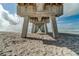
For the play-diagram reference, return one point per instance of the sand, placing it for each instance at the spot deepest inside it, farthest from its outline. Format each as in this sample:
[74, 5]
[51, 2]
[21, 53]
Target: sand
[11, 44]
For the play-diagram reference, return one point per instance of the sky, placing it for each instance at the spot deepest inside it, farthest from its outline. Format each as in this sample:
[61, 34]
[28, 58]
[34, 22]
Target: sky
[11, 7]
[67, 23]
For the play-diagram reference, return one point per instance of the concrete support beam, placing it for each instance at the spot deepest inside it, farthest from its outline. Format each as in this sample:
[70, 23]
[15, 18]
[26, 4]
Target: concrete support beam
[33, 28]
[42, 27]
[46, 30]
[54, 26]
[25, 27]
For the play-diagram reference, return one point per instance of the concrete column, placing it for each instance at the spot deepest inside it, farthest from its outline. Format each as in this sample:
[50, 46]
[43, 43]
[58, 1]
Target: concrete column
[36, 28]
[54, 26]
[25, 27]
[46, 30]
[33, 28]
[42, 28]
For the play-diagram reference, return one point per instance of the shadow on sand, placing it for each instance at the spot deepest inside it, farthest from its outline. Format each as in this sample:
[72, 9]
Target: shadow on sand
[70, 41]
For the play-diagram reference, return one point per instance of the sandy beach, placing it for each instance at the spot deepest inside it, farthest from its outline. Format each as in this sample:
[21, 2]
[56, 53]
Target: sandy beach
[11, 44]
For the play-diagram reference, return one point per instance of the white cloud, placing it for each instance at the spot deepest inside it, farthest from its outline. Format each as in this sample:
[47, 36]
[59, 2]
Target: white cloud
[5, 15]
[71, 9]
[9, 22]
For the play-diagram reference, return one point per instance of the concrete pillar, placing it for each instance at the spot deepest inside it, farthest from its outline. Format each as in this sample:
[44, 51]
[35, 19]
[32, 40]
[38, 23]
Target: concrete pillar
[46, 30]
[36, 28]
[33, 28]
[54, 26]
[39, 26]
[42, 28]
[25, 27]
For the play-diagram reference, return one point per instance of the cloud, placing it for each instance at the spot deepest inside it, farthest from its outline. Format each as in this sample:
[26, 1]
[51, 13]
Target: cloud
[71, 9]
[10, 22]
[5, 15]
